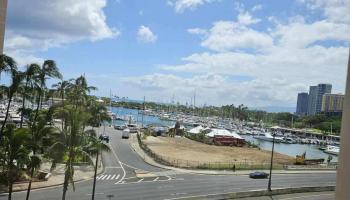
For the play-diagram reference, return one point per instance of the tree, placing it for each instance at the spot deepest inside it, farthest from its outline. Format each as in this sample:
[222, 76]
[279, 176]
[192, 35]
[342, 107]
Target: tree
[7, 64]
[14, 143]
[95, 147]
[48, 70]
[31, 80]
[40, 130]
[16, 78]
[61, 89]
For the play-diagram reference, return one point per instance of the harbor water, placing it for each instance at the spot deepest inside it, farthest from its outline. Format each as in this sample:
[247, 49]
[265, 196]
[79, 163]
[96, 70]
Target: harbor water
[312, 151]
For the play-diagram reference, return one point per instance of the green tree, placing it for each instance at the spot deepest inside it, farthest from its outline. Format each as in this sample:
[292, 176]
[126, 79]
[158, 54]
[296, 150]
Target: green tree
[14, 144]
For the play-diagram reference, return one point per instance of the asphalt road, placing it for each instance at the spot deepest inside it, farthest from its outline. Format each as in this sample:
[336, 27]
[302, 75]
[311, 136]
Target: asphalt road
[119, 180]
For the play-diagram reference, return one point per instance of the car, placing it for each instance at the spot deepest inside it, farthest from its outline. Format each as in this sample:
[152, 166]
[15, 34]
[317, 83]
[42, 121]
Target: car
[119, 127]
[126, 134]
[104, 138]
[258, 175]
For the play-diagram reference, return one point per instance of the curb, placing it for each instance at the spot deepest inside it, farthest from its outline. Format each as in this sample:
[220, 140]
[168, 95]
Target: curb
[259, 193]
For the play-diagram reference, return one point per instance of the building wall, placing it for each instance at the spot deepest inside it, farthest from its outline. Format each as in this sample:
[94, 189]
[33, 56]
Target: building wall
[332, 103]
[312, 100]
[322, 89]
[302, 104]
[3, 6]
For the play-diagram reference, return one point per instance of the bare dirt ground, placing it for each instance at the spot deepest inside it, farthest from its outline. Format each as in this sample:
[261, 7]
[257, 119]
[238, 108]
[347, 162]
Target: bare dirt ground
[186, 149]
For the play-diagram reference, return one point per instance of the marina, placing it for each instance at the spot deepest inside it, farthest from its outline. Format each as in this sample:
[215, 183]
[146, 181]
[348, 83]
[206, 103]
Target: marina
[285, 141]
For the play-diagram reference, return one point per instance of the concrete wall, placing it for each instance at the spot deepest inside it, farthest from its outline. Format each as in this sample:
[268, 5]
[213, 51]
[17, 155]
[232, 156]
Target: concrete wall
[3, 7]
[343, 174]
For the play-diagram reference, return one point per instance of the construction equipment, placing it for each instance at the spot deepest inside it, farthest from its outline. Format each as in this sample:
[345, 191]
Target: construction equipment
[301, 160]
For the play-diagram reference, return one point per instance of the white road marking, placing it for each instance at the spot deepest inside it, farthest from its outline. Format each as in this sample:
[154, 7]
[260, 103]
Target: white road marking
[107, 178]
[140, 180]
[113, 177]
[120, 163]
[116, 178]
[99, 177]
[103, 177]
[156, 179]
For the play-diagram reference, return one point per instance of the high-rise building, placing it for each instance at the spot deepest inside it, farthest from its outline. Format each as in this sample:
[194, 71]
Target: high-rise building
[332, 104]
[312, 100]
[302, 104]
[321, 90]
[3, 7]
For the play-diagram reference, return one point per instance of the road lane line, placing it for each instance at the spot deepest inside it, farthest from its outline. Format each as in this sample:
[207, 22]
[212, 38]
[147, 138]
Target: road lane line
[107, 178]
[120, 163]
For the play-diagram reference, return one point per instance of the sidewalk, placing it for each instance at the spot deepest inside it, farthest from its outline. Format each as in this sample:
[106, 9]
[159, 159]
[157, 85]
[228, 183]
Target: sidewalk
[135, 146]
[80, 173]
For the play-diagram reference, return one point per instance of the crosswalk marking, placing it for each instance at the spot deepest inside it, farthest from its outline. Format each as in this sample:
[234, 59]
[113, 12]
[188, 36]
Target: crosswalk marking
[103, 178]
[106, 177]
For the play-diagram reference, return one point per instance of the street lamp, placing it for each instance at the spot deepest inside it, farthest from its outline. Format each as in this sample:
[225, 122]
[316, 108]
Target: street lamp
[273, 146]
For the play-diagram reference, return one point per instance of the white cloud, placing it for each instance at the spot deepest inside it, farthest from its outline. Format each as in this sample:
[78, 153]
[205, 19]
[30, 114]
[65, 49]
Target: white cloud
[145, 34]
[334, 10]
[278, 64]
[246, 19]
[182, 5]
[228, 35]
[197, 31]
[54, 23]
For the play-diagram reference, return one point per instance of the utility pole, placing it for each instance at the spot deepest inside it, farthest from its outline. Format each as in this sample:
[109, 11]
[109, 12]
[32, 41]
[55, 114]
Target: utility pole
[273, 147]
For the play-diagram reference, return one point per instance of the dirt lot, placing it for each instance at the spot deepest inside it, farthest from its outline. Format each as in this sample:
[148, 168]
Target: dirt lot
[196, 152]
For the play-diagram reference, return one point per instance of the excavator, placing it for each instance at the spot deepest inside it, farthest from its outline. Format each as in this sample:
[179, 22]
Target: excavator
[301, 160]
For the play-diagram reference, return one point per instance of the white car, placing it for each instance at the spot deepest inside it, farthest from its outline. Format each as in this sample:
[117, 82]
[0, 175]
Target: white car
[126, 133]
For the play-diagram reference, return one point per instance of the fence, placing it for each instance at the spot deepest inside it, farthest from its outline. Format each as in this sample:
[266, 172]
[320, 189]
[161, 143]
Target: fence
[180, 163]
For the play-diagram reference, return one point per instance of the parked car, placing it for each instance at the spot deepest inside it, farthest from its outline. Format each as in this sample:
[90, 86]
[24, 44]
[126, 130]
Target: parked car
[258, 175]
[104, 138]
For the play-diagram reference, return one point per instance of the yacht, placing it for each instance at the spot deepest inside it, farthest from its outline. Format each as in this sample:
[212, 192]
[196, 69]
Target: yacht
[334, 150]
[267, 137]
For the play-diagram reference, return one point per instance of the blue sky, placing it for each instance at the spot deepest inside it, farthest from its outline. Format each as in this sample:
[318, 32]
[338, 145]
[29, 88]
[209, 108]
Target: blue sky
[255, 52]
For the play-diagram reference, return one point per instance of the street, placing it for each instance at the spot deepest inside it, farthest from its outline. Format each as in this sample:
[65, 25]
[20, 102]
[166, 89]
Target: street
[119, 180]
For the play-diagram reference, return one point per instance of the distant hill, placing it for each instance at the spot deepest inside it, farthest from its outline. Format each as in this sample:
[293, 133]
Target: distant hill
[274, 109]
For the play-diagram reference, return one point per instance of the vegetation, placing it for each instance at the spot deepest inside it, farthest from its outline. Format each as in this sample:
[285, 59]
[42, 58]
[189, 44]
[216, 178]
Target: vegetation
[23, 148]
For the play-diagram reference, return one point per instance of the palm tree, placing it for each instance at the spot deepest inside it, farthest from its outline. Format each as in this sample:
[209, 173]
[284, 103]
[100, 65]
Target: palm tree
[40, 130]
[7, 64]
[61, 88]
[31, 73]
[95, 147]
[16, 77]
[70, 143]
[48, 69]
[17, 154]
